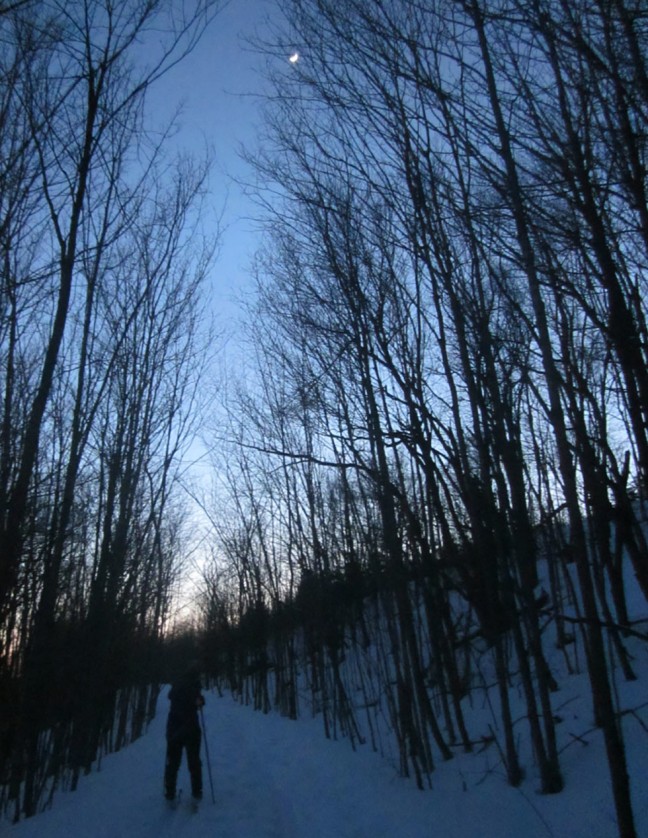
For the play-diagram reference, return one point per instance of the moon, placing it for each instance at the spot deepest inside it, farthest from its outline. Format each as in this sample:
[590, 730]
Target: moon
[294, 58]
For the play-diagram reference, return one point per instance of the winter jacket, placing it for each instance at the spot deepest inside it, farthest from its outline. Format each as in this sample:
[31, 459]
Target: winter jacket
[185, 698]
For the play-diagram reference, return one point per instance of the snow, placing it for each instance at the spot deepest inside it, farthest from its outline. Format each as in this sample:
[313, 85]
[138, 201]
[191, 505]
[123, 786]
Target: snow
[276, 778]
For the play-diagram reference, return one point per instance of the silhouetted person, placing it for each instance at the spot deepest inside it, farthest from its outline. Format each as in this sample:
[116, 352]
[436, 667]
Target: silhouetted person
[183, 731]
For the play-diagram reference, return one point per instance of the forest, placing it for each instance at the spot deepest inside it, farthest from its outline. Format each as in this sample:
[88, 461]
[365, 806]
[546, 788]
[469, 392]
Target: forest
[435, 460]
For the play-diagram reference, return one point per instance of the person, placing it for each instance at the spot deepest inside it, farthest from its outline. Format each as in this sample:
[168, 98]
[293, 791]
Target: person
[183, 732]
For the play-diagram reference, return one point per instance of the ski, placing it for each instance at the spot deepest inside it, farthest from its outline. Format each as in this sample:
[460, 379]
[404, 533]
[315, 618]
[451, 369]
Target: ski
[174, 802]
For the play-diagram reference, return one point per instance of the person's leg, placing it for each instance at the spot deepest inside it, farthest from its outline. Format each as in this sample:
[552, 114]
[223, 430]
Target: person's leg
[173, 757]
[195, 765]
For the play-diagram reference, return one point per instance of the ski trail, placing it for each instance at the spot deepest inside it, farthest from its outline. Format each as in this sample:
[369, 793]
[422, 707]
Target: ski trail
[275, 778]
[254, 782]
[249, 801]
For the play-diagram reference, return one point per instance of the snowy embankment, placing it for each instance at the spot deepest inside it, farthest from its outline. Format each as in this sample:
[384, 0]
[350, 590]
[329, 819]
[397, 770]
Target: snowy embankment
[274, 777]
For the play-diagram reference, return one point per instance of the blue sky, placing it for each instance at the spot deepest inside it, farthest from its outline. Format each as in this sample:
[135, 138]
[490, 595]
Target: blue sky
[219, 85]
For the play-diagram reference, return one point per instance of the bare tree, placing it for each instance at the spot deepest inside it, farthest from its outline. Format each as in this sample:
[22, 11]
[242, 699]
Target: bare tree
[100, 316]
[453, 308]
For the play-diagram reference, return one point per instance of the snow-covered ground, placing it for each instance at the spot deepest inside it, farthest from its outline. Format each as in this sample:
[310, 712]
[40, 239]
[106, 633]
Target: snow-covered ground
[275, 778]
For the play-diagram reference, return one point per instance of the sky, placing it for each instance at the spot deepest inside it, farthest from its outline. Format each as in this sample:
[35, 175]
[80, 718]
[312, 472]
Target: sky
[220, 85]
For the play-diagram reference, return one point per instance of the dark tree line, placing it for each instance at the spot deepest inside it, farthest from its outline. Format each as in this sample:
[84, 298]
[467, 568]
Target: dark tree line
[100, 277]
[451, 375]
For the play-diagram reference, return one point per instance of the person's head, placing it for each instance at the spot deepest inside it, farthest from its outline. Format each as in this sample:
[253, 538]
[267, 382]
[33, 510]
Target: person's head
[193, 669]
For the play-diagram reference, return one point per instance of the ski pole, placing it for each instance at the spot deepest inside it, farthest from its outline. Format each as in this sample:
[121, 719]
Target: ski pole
[209, 771]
